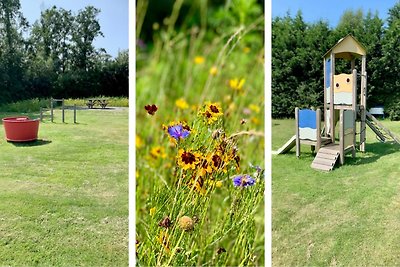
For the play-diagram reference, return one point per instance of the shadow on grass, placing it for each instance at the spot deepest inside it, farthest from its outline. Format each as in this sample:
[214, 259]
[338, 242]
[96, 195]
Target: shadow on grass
[39, 142]
[374, 152]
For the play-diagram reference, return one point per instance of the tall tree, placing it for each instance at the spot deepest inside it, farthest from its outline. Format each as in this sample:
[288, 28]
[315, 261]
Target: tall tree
[391, 62]
[52, 36]
[86, 29]
[11, 50]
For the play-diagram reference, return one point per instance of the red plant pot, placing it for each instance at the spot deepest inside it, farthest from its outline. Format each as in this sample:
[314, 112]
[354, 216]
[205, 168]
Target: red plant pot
[21, 129]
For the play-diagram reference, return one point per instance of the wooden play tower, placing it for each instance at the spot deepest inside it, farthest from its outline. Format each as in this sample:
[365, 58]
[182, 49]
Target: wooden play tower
[345, 102]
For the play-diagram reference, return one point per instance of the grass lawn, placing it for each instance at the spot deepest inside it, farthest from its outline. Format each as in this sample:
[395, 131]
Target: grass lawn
[349, 216]
[64, 198]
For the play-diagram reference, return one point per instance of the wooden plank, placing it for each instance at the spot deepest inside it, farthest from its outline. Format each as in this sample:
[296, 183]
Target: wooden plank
[296, 115]
[341, 137]
[323, 161]
[331, 149]
[327, 156]
[321, 167]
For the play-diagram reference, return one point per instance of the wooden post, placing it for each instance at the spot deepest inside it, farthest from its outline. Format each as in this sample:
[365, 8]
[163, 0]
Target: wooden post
[296, 115]
[332, 99]
[74, 113]
[51, 108]
[62, 108]
[325, 106]
[363, 103]
[318, 121]
[341, 136]
[354, 109]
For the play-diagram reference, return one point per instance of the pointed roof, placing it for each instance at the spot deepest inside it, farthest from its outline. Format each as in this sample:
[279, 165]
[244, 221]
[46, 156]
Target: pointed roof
[347, 48]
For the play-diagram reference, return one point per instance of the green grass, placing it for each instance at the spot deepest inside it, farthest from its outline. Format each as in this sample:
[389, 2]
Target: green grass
[228, 217]
[64, 198]
[349, 216]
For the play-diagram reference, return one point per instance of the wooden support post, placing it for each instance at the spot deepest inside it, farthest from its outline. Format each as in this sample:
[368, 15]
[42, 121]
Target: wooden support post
[296, 112]
[363, 104]
[332, 100]
[41, 114]
[63, 111]
[74, 113]
[354, 109]
[51, 109]
[325, 106]
[318, 121]
[341, 136]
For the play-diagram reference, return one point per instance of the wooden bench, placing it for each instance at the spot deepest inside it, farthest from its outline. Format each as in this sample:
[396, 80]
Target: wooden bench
[101, 102]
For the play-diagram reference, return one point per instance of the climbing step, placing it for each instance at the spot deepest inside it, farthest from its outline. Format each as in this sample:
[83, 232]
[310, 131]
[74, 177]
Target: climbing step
[376, 130]
[326, 158]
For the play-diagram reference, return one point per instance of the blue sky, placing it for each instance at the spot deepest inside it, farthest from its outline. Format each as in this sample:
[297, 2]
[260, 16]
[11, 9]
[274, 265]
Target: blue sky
[329, 11]
[113, 19]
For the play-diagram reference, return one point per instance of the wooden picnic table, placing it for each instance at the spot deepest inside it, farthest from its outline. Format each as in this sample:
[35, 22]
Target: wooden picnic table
[93, 101]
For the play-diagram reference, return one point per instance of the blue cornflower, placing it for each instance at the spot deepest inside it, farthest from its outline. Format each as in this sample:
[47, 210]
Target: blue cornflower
[243, 180]
[177, 131]
[256, 167]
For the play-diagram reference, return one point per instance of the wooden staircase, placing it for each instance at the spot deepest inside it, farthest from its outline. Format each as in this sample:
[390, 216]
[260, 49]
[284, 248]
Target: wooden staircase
[326, 158]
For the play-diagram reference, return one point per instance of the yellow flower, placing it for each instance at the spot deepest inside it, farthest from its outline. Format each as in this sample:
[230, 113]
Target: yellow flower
[199, 60]
[255, 120]
[158, 152]
[163, 238]
[213, 71]
[137, 174]
[152, 211]
[188, 159]
[139, 142]
[197, 184]
[212, 112]
[236, 84]
[246, 50]
[218, 184]
[181, 103]
[254, 108]
[206, 165]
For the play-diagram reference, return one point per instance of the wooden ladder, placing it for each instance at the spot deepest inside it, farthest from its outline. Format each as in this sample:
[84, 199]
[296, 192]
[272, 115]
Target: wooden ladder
[381, 131]
[325, 159]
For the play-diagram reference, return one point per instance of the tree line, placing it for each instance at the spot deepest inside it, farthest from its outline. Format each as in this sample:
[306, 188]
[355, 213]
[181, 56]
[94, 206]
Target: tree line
[298, 48]
[55, 56]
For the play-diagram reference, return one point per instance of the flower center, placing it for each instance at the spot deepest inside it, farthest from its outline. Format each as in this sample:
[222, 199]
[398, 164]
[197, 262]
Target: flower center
[214, 109]
[188, 157]
[217, 160]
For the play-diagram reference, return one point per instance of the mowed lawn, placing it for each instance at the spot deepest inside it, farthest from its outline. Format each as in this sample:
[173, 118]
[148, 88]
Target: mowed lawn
[350, 216]
[64, 198]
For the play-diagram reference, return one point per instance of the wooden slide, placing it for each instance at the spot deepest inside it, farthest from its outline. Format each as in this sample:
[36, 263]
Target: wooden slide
[286, 147]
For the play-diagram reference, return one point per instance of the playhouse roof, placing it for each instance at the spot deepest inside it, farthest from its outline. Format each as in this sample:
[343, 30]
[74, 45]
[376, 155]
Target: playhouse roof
[347, 48]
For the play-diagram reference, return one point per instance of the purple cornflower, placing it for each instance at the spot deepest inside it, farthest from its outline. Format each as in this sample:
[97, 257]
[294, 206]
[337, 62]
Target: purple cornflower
[177, 131]
[243, 180]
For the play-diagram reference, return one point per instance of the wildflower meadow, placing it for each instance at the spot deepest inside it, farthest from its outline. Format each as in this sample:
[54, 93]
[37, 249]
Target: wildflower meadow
[200, 135]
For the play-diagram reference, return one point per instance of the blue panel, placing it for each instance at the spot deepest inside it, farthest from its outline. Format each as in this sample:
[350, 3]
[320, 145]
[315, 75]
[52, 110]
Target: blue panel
[328, 73]
[307, 118]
